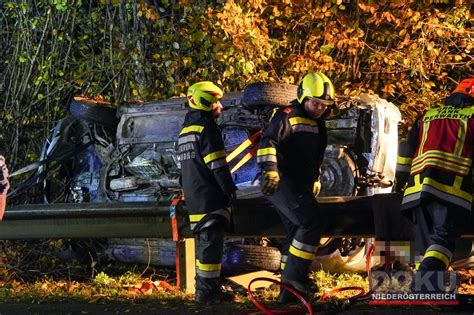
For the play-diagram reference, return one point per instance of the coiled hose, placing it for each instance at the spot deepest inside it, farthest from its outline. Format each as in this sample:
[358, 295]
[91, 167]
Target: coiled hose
[359, 296]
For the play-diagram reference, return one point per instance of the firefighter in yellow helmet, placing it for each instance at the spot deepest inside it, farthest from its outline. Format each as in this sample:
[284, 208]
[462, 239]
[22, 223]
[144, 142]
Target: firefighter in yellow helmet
[207, 185]
[435, 165]
[290, 155]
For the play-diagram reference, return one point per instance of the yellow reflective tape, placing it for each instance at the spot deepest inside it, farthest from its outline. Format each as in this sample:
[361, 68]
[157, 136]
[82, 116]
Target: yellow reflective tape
[301, 253]
[239, 150]
[441, 187]
[282, 266]
[192, 128]
[404, 160]
[449, 166]
[208, 267]
[301, 120]
[214, 156]
[461, 137]
[448, 189]
[443, 155]
[437, 255]
[458, 182]
[266, 151]
[423, 137]
[196, 217]
[448, 112]
[468, 110]
[416, 186]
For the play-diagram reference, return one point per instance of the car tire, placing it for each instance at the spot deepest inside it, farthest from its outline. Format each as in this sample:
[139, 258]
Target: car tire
[261, 94]
[93, 112]
[239, 258]
[339, 174]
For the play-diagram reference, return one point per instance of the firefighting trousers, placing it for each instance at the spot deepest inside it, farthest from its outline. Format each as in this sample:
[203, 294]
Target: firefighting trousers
[302, 219]
[209, 250]
[436, 231]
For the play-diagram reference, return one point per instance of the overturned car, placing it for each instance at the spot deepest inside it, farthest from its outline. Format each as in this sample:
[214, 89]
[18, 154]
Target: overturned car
[129, 155]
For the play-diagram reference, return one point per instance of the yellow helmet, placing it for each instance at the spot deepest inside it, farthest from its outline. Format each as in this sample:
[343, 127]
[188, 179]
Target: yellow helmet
[203, 94]
[317, 85]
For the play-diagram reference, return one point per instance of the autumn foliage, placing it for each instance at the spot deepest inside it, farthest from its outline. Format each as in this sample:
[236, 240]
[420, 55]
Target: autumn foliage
[410, 52]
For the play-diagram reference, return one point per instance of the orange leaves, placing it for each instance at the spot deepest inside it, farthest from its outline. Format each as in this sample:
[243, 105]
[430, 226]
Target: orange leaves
[147, 287]
[368, 7]
[147, 11]
[389, 89]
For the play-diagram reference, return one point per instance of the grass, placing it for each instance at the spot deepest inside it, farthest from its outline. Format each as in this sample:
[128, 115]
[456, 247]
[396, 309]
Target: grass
[29, 273]
[132, 287]
[327, 281]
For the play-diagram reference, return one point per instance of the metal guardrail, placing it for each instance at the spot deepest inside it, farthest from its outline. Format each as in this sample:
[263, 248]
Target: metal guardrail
[346, 216]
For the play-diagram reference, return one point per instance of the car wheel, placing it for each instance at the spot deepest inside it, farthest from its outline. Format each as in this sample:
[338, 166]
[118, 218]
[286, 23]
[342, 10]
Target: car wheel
[239, 258]
[97, 113]
[268, 94]
[339, 173]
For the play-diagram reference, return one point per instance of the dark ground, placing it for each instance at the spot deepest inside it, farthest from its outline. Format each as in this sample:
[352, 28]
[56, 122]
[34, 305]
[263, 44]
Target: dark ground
[123, 309]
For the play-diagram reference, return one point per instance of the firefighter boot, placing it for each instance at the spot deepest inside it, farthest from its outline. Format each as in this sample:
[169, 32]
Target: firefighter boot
[306, 289]
[214, 296]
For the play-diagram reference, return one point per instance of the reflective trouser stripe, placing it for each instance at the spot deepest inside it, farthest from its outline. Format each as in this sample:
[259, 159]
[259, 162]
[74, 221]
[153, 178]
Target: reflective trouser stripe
[440, 249]
[208, 270]
[266, 151]
[283, 261]
[195, 218]
[301, 253]
[305, 247]
[437, 255]
[267, 158]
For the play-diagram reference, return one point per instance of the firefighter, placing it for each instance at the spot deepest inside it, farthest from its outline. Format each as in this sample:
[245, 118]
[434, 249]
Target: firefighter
[4, 185]
[207, 185]
[290, 155]
[434, 171]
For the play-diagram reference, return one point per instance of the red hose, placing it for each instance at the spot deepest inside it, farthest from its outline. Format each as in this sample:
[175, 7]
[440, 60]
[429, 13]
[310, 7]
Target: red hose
[336, 290]
[360, 295]
[3, 203]
[293, 291]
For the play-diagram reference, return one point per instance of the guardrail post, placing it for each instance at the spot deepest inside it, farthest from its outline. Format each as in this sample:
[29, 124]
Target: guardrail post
[187, 265]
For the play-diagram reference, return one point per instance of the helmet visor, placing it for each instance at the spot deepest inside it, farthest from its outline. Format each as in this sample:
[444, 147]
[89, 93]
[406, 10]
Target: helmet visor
[316, 100]
[316, 107]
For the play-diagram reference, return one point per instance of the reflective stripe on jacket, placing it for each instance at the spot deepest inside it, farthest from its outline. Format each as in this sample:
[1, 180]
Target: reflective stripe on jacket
[436, 158]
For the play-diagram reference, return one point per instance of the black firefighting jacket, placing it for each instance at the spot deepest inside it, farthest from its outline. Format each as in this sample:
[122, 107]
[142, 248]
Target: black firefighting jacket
[436, 159]
[294, 144]
[205, 177]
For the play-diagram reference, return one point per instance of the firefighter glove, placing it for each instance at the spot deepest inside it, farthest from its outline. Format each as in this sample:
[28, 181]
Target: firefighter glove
[269, 182]
[399, 187]
[316, 188]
